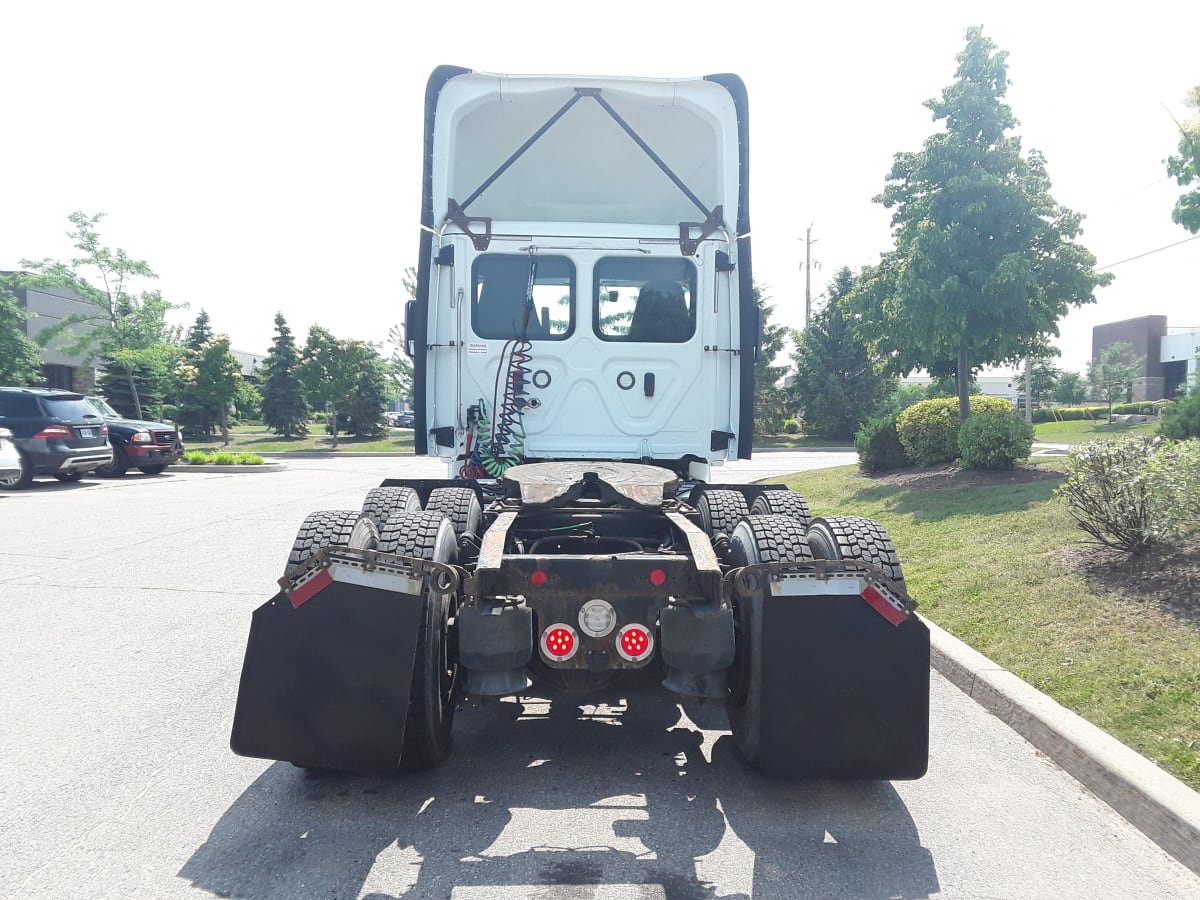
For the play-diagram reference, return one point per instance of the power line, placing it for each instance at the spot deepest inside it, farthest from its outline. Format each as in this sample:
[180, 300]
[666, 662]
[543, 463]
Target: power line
[1147, 253]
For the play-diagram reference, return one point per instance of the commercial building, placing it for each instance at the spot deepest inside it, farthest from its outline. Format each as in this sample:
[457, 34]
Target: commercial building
[1168, 354]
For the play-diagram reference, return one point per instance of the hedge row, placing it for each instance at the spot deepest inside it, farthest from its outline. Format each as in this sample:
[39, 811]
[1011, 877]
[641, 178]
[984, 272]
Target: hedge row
[1094, 413]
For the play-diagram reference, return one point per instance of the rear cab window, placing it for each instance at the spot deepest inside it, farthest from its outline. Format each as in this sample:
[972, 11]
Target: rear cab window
[527, 296]
[644, 300]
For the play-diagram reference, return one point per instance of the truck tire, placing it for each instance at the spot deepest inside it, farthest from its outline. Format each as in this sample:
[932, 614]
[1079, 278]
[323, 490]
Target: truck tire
[460, 506]
[118, 467]
[757, 539]
[381, 502]
[327, 528]
[156, 469]
[428, 535]
[721, 510]
[782, 503]
[855, 537]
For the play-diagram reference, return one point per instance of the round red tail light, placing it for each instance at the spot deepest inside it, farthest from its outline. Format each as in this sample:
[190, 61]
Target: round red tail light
[559, 642]
[635, 642]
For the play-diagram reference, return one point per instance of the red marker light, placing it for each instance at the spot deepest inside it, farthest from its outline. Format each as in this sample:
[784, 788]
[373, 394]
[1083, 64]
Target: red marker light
[634, 642]
[559, 642]
[538, 579]
[658, 578]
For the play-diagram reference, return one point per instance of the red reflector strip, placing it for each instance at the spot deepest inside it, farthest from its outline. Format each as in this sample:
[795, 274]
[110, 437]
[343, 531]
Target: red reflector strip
[884, 605]
[306, 591]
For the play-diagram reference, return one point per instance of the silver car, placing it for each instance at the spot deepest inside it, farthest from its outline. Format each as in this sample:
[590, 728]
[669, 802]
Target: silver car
[10, 462]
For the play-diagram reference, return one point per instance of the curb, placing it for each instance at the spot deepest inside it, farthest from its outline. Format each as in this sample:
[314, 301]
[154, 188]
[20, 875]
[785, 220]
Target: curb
[179, 468]
[1164, 808]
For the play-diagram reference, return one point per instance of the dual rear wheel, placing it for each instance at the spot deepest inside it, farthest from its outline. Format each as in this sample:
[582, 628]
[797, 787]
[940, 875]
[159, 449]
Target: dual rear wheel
[392, 521]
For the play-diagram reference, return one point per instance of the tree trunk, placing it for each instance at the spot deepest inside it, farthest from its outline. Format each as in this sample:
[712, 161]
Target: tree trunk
[1029, 389]
[963, 378]
[137, 402]
[333, 423]
[224, 425]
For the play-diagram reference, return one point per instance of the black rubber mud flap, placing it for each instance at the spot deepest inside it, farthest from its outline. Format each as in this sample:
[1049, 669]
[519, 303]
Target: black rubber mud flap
[326, 684]
[842, 692]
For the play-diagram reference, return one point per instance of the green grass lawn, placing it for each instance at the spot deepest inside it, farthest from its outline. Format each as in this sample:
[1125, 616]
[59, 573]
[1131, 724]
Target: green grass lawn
[985, 564]
[255, 439]
[1083, 430]
[795, 442]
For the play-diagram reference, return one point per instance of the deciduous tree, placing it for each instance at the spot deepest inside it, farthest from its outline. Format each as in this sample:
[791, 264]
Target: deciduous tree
[20, 359]
[985, 261]
[125, 328]
[1112, 373]
[1185, 167]
[211, 377]
[329, 371]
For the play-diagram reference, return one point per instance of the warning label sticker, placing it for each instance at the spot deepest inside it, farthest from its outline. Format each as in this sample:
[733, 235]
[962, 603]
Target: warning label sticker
[477, 349]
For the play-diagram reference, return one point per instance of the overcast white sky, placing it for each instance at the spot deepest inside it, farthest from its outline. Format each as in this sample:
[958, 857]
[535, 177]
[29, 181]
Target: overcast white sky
[266, 156]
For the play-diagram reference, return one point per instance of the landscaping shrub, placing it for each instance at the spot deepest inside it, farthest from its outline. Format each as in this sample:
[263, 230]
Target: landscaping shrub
[791, 426]
[1070, 414]
[879, 446]
[1181, 420]
[222, 458]
[1134, 492]
[1174, 483]
[994, 439]
[928, 430]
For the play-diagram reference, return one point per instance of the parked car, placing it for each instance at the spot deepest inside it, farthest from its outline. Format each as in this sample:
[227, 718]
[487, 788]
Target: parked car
[10, 460]
[56, 432]
[148, 446]
[406, 419]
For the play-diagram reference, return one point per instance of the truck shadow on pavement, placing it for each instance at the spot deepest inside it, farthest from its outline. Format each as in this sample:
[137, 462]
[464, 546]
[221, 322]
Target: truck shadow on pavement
[567, 790]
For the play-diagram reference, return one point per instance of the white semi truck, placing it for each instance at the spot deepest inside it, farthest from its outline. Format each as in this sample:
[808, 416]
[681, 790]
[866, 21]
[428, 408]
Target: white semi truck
[584, 337]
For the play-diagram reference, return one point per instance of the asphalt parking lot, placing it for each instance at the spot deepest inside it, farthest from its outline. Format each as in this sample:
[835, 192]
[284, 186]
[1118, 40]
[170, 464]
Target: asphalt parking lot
[126, 605]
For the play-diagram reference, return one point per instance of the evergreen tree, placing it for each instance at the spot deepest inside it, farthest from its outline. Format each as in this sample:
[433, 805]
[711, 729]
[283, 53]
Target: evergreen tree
[200, 333]
[367, 405]
[772, 404]
[153, 384]
[838, 384]
[284, 409]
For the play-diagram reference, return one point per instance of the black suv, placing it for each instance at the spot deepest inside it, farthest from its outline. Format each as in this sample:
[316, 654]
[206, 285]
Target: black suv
[56, 432]
[149, 446]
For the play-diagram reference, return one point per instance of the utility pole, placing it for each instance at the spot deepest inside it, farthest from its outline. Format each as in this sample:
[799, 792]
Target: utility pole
[808, 266]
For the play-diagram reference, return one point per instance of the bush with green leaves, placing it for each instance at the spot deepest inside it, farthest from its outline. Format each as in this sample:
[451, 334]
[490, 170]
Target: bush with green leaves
[222, 458]
[929, 430]
[1181, 420]
[994, 439]
[879, 447]
[1134, 493]
[791, 426]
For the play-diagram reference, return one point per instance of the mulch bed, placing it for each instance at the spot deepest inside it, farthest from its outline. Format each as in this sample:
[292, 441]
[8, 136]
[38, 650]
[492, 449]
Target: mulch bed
[1167, 576]
[943, 477]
